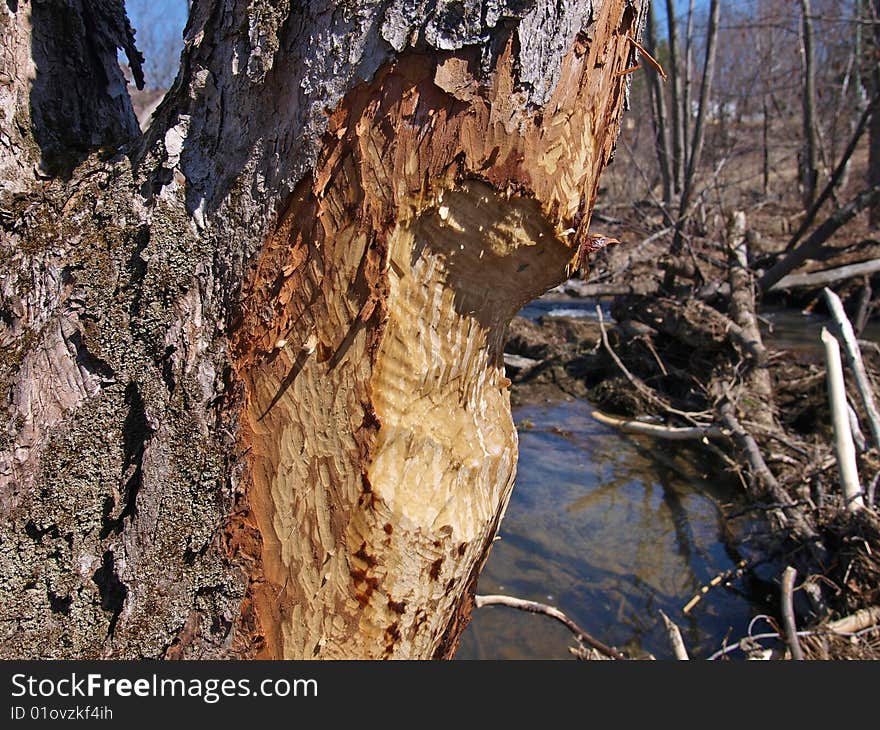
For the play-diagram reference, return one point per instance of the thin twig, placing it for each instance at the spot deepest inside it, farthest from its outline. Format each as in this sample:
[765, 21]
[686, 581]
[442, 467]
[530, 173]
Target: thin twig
[727, 575]
[555, 613]
[648, 57]
[637, 382]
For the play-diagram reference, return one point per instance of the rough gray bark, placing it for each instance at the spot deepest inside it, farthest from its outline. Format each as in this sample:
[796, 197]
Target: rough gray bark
[139, 307]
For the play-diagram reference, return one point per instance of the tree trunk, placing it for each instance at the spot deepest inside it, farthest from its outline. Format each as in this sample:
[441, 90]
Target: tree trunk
[874, 129]
[658, 114]
[676, 92]
[252, 372]
[809, 175]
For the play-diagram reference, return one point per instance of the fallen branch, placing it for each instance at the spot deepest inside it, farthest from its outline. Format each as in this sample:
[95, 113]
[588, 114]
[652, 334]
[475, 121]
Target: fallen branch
[862, 619]
[836, 176]
[855, 362]
[812, 245]
[742, 311]
[858, 436]
[788, 576]
[577, 288]
[742, 294]
[761, 471]
[636, 382]
[844, 449]
[672, 433]
[828, 276]
[727, 575]
[555, 613]
[801, 634]
[674, 634]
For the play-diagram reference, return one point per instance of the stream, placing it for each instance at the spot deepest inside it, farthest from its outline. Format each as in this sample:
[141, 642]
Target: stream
[610, 532]
[612, 528]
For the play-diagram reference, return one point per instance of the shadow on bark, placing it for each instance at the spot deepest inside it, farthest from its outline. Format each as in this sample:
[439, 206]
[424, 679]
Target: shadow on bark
[79, 101]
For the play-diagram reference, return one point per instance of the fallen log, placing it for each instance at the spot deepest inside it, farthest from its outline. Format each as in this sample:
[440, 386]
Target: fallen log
[671, 433]
[742, 310]
[844, 449]
[817, 238]
[827, 276]
[855, 362]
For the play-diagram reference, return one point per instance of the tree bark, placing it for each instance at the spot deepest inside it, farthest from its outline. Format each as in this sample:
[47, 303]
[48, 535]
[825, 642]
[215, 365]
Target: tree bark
[874, 129]
[742, 310]
[809, 175]
[658, 114]
[252, 367]
[678, 140]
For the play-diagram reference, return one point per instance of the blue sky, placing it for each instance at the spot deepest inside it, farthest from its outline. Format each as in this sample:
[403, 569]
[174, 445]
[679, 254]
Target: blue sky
[159, 25]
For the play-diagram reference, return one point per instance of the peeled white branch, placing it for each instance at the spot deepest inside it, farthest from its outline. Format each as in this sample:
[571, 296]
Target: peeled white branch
[674, 634]
[672, 433]
[854, 360]
[861, 619]
[844, 449]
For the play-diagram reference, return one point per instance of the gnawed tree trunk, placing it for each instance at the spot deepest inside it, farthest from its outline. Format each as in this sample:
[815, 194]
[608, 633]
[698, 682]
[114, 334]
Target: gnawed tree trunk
[252, 371]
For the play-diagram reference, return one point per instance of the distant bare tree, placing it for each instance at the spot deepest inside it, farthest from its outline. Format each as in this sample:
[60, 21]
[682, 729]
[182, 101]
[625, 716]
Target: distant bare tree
[159, 37]
[807, 170]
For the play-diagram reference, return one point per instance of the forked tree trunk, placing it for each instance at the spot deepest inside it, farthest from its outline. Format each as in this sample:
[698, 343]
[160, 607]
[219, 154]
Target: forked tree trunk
[255, 404]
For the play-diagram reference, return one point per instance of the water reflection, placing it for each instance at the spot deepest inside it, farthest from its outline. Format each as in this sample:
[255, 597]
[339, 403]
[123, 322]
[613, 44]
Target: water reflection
[609, 528]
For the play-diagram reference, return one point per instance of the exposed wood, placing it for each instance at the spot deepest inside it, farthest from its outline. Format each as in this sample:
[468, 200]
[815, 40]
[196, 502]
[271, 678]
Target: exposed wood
[816, 279]
[788, 621]
[253, 390]
[727, 575]
[675, 640]
[671, 433]
[862, 619]
[854, 360]
[518, 363]
[844, 449]
[555, 613]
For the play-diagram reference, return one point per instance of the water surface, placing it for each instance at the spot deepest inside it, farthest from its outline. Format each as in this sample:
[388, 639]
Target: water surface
[610, 529]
